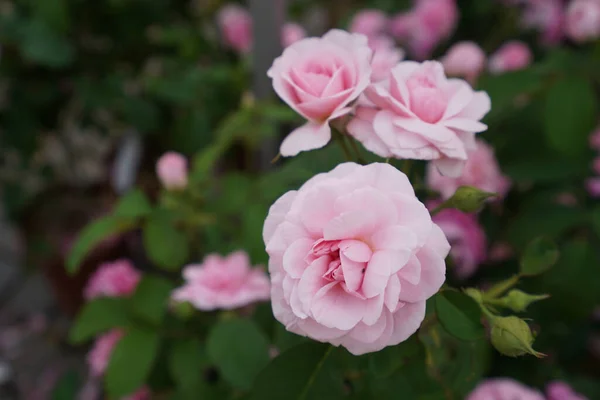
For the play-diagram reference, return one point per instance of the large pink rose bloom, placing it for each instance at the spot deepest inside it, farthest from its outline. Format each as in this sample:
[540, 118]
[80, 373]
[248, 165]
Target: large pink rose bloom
[99, 355]
[511, 56]
[562, 391]
[481, 170]
[235, 24]
[319, 78]
[223, 283]
[464, 59]
[504, 389]
[354, 255]
[467, 240]
[583, 20]
[420, 114]
[113, 279]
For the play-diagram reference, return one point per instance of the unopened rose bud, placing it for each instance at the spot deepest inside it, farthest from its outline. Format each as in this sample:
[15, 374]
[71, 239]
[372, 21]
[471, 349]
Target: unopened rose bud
[518, 300]
[512, 337]
[172, 171]
[467, 199]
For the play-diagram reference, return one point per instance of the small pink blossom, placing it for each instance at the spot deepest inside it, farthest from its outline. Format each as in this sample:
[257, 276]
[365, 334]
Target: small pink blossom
[464, 59]
[583, 20]
[235, 24]
[320, 78]
[512, 56]
[546, 16]
[481, 171]
[420, 114]
[370, 23]
[113, 279]
[291, 33]
[467, 240]
[172, 170]
[223, 283]
[353, 257]
[99, 355]
[596, 165]
[385, 57]
[143, 393]
[503, 389]
[595, 139]
[593, 187]
[562, 391]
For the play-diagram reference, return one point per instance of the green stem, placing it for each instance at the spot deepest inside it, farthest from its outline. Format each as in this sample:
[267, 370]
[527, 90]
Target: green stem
[500, 288]
[357, 151]
[406, 167]
[314, 374]
[340, 138]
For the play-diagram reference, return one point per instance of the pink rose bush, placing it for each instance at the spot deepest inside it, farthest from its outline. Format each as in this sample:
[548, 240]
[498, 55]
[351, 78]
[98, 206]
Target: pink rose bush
[319, 78]
[503, 389]
[464, 59]
[583, 20]
[172, 171]
[223, 283]
[481, 171]
[353, 256]
[99, 355]
[512, 56]
[420, 114]
[114, 279]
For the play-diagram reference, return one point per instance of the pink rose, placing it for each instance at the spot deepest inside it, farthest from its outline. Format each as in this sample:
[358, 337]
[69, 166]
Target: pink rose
[113, 279]
[593, 186]
[223, 283]
[583, 20]
[595, 139]
[291, 33]
[420, 114]
[561, 391]
[464, 59]
[99, 355]
[596, 165]
[369, 23]
[235, 24]
[319, 78]
[546, 16]
[385, 57]
[503, 389]
[467, 240]
[481, 170]
[353, 256]
[172, 170]
[512, 56]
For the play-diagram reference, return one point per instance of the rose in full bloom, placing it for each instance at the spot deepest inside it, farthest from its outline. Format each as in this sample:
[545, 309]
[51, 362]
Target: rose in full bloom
[420, 114]
[235, 24]
[172, 170]
[583, 20]
[291, 33]
[370, 23]
[353, 256]
[99, 355]
[481, 171]
[113, 279]
[512, 56]
[385, 57]
[320, 78]
[223, 283]
[562, 391]
[464, 59]
[547, 17]
[503, 389]
[467, 240]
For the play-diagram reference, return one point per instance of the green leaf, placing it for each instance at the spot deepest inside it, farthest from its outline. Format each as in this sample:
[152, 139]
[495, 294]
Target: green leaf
[298, 373]
[42, 45]
[570, 115]
[539, 256]
[131, 362]
[134, 204]
[165, 245]
[151, 298]
[459, 315]
[67, 387]
[596, 221]
[92, 235]
[98, 316]
[187, 362]
[385, 362]
[239, 350]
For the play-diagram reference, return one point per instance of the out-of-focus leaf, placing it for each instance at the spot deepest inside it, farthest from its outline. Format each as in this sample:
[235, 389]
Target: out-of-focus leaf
[98, 316]
[187, 361]
[150, 299]
[133, 204]
[166, 246]
[42, 45]
[67, 386]
[459, 315]
[539, 256]
[385, 362]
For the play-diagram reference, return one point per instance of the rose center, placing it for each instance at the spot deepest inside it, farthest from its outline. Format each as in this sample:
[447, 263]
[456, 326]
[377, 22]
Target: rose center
[428, 101]
[330, 248]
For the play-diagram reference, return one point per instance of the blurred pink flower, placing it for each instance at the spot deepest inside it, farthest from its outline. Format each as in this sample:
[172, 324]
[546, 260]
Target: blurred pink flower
[319, 78]
[370, 23]
[353, 257]
[595, 139]
[593, 186]
[467, 240]
[481, 171]
[420, 114]
[385, 56]
[503, 389]
[583, 20]
[172, 170]
[223, 283]
[511, 56]
[562, 391]
[546, 16]
[235, 24]
[596, 165]
[113, 279]
[500, 251]
[291, 33]
[143, 393]
[464, 59]
[99, 355]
